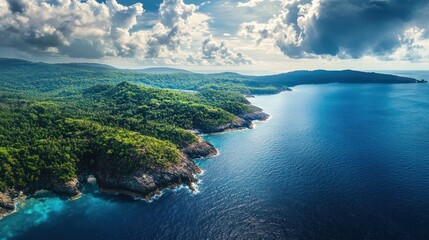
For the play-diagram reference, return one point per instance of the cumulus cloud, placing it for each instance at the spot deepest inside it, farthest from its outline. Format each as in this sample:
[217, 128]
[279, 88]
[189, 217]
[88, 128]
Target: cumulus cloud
[180, 24]
[89, 29]
[178, 36]
[220, 54]
[342, 28]
[250, 3]
[414, 46]
[72, 28]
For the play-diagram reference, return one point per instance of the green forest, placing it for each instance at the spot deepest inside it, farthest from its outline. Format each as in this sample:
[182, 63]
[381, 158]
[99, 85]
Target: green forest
[125, 126]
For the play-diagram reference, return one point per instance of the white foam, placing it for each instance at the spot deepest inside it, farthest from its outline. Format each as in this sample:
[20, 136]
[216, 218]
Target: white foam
[201, 173]
[196, 189]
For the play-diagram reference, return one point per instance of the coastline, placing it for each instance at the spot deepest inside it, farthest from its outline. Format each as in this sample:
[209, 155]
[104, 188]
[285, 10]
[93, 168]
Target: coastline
[197, 150]
[142, 184]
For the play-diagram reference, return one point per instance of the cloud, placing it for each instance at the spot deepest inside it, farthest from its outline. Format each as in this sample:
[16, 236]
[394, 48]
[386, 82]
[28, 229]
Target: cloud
[180, 24]
[342, 28]
[221, 55]
[178, 36]
[90, 29]
[77, 29]
[414, 46]
[250, 3]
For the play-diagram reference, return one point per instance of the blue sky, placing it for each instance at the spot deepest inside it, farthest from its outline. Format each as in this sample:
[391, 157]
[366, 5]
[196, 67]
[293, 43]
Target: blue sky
[215, 35]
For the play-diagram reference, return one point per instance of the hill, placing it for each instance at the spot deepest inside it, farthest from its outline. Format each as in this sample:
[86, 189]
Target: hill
[118, 133]
[161, 70]
[322, 76]
[87, 65]
[19, 76]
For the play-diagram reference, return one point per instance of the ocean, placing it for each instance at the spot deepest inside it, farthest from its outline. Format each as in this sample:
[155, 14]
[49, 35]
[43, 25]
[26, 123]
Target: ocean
[334, 161]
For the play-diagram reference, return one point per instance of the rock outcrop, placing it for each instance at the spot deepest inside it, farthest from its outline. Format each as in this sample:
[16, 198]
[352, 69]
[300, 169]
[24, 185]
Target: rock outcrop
[147, 182]
[240, 122]
[70, 188]
[255, 116]
[200, 149]
[7, 202]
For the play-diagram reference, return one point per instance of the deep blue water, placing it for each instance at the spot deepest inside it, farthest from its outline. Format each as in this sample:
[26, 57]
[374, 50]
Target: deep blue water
[334, 162]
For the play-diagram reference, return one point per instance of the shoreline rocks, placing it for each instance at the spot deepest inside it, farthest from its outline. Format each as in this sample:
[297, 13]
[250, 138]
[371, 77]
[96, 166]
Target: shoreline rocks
[241, 122]
[200, 149]
[148, 182]
[70, 188]
[8, 201]
[255, 116]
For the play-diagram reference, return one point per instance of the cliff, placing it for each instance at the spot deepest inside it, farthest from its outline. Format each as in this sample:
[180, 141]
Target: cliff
[7, 202]
[147, 182]
[240, 122]
[200, 149]
[9, 198]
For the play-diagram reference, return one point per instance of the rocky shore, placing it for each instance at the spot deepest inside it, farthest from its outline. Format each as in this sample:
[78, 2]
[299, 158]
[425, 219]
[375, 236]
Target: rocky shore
[8, 201]
[200, 149]
[241, 122]
[10, 197]
[143, 182]
[255, 116]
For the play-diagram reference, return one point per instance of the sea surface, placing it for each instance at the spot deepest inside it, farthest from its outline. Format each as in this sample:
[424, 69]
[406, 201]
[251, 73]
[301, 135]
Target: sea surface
[335, 161]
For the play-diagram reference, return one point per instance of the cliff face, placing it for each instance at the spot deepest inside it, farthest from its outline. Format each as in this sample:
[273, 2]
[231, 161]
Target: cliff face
[70, 188]
[7, 202]
[238, 123]
[200, 149]
[147, 182]
[255, 116]
[242, 121]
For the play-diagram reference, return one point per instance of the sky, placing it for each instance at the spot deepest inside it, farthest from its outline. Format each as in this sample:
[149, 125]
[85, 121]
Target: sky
[248, 36]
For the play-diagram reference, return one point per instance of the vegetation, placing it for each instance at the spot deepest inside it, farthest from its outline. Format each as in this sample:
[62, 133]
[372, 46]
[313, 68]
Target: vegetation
[123, 127]
[321, 76]
[59, 119]
[21, 77]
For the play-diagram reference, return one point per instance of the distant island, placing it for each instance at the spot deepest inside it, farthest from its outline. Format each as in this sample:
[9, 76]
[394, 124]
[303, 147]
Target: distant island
[24, 76]
[61, 123]
[161, 70]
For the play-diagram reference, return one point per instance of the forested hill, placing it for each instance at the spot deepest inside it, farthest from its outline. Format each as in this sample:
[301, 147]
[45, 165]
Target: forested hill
[161, 70]
[24, 76]
[115, 132]
[321, 76]
[19, 76]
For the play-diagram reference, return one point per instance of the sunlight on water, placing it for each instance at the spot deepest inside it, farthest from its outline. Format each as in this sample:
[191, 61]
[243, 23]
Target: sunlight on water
[31, 212]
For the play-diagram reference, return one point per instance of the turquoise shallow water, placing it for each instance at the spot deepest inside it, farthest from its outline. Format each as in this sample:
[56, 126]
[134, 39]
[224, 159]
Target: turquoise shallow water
[334, 162]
